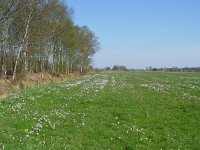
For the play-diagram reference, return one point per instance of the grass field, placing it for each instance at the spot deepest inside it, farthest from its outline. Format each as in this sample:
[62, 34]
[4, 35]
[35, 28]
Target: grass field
[113, 110]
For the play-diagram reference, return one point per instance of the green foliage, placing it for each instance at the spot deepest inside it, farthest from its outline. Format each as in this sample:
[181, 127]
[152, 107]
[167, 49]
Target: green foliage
[40, 35]
[113, 110]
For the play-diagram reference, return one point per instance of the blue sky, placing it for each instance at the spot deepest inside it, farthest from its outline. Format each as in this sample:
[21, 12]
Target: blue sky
[142, 33]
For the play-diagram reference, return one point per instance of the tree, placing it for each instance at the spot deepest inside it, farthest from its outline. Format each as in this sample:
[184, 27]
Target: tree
[117, 68]
[40, 35]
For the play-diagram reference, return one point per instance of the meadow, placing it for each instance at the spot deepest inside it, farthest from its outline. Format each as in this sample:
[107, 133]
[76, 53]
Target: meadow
[110, 110]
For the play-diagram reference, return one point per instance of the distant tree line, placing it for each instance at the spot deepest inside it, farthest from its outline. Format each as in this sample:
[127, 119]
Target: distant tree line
[116, 68]
[173, 69]
[40, 35]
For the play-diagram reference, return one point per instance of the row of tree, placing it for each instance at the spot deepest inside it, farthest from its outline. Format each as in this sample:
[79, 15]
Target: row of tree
[172, 69]
[40, 35]
[175, 69]
[116, 68]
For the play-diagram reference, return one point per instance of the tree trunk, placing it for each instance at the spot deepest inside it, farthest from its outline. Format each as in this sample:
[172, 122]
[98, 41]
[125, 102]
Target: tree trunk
[67, 67]
[82, 65]
[22, 44]
[25, 56]
[71, 67]
[1, 63]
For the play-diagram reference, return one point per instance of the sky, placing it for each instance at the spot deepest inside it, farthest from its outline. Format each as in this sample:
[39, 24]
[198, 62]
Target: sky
[142, 33]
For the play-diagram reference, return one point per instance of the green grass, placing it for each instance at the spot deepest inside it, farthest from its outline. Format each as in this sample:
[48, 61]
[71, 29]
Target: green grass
[113, 110]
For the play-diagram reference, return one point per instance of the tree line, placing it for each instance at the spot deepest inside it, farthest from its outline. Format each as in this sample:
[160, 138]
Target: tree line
[40, 35]
[175, 69]
[165, 69]
[116, 68]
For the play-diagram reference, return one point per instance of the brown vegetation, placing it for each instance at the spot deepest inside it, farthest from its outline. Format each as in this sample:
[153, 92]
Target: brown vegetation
[33, 80]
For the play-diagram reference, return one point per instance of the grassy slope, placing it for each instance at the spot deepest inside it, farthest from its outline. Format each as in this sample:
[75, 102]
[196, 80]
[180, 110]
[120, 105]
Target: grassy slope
[120, 110]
